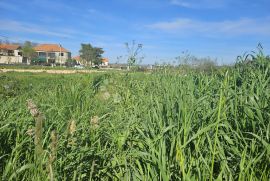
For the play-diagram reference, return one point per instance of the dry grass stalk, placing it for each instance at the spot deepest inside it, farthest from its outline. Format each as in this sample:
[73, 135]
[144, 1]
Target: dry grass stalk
[38, 126]
[71, 132]
[53, 147]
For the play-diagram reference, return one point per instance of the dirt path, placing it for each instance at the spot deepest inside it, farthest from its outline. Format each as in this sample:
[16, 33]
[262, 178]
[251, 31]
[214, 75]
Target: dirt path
[49, 71]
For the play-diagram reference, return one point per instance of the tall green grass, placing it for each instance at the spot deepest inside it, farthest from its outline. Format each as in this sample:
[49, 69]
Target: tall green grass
[135, 126]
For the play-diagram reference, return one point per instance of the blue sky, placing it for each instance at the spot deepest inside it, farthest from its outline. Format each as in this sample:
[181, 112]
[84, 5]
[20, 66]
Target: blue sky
[220, 29]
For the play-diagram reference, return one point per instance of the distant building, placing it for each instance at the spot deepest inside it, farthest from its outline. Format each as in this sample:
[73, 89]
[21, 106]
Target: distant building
[105, 62]
[11, 54]
[52, 53]
[45, 53]
[79, 60]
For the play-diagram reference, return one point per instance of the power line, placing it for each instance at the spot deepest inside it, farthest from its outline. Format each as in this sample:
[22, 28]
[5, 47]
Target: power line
[10, 38]
[5, 37]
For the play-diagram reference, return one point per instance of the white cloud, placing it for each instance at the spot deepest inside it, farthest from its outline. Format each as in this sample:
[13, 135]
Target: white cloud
[17, 26]
[182, 3]
[244, 26]
[101, 15]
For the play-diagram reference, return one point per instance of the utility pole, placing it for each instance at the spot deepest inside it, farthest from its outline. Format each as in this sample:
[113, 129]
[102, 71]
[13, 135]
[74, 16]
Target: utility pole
[60, 54]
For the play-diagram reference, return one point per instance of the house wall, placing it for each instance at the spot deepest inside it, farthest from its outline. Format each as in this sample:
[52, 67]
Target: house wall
[105, 64]
[10, 59]
[17, 52]
[57, 57]
[3, 53]
[62, 59]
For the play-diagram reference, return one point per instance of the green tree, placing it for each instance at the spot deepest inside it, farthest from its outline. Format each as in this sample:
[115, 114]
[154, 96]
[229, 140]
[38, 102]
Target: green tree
[92, 55]
[28, 51]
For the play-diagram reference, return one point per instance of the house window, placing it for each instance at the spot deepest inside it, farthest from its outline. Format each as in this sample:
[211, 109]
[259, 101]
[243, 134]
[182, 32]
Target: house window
[42, 54]
[61, 54]
[51, 55]
[20, 53]
[10, 52]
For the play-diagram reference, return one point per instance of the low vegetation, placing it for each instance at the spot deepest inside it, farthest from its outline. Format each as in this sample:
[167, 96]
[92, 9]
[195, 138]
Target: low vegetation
[163, 125]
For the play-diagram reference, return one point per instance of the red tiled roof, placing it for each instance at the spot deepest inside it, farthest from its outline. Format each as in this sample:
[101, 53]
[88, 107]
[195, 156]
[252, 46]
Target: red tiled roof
[50, 48]
[105, 60]
[9, 47]
[77, 58]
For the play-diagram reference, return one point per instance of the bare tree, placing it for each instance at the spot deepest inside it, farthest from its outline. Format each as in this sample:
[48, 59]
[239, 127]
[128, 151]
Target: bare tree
[133, 50]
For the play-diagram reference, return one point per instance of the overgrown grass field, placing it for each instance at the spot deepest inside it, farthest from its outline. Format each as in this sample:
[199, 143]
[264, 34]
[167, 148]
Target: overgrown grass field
[136, 126]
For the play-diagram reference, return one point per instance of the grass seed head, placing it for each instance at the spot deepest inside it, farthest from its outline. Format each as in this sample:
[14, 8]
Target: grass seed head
[32, 108]
[30, 132]
[72, 127]
[106, 95]
[94, 122]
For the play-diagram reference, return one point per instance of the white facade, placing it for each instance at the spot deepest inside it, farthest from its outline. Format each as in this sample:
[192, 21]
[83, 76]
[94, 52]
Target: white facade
[105, 64]
[10, 54]
[45, 53]
[11, 59]
[54, 57]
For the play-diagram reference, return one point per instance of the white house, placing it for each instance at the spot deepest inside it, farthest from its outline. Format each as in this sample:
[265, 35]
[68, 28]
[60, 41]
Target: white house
[11, 54]
[105, 62]
[52, 53]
